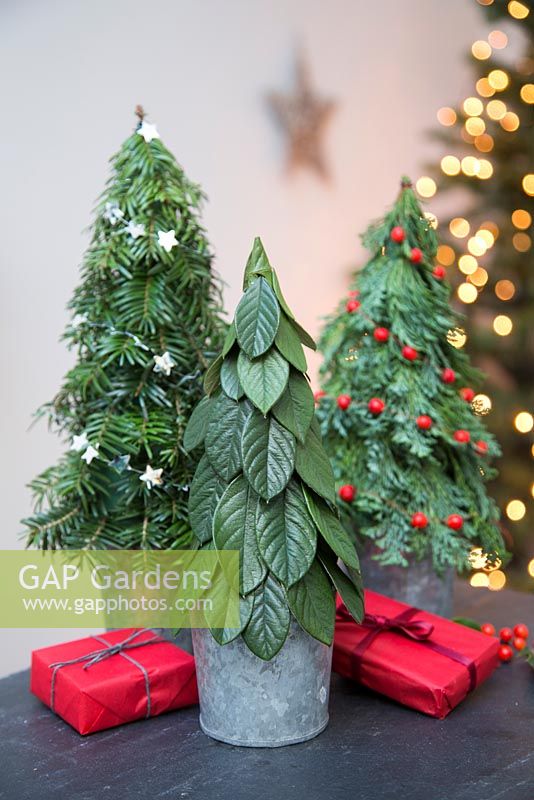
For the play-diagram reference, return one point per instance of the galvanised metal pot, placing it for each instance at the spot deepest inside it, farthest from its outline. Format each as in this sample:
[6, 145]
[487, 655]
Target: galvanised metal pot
[417, 585]
[254, 703]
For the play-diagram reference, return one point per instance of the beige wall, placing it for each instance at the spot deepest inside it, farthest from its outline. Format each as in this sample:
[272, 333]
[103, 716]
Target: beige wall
[72, 72]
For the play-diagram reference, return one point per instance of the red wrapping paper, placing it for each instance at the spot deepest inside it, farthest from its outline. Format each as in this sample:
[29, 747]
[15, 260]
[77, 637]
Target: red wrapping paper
[114, 690]
[408, 670]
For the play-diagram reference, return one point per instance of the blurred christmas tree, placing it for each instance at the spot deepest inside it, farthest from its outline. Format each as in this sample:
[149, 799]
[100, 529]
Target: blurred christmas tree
[488, 163]
[145, 322]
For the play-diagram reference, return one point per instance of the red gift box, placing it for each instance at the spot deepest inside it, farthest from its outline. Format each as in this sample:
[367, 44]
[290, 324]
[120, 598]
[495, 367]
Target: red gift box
[419, 659]
[120, 676]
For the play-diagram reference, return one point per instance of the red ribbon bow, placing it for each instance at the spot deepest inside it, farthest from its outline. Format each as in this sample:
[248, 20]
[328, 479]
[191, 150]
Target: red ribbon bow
[417, 629]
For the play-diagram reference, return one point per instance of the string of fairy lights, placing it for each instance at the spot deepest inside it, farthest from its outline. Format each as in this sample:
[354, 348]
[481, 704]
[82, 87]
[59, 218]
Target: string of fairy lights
[479, 114]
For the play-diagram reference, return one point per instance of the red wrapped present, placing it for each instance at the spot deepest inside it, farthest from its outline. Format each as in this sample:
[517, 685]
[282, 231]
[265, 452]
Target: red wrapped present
[117, 677]
[419, 659]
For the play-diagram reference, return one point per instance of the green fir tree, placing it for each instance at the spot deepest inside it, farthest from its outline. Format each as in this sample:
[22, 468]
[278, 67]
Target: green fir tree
[264, 485]
[145, 323]
[409, 451]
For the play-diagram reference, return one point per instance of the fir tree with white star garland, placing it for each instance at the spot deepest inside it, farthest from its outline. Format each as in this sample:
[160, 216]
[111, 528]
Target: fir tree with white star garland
[145, 324]
[409, 451]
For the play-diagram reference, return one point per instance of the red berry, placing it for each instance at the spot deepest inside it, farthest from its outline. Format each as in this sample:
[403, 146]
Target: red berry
[397, 234]
[521, 630]
[488, 629]
[318, 395]
[419, 520]
[424, 422]
[506, 635]
[467, 393]
[481, 447]
[462, 436]
[347, 493]
[353, 305]
[376, 405]
[448, 375]
[416, 255]
[505, 652]
[455, 521]
[344, 401]
[438, 272]
[409, 353]
[519, 643]
[381, 334]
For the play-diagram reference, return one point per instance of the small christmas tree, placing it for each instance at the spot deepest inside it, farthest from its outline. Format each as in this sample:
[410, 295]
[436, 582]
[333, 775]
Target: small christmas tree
[264, 485]
[409, 451]
[145, 323]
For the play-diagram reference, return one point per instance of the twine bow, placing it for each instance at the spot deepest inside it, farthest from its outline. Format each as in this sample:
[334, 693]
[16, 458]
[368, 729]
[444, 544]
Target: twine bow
[107, 652]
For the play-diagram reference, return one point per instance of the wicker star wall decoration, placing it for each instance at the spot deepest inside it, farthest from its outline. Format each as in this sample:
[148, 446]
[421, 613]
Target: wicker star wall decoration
[303, 117]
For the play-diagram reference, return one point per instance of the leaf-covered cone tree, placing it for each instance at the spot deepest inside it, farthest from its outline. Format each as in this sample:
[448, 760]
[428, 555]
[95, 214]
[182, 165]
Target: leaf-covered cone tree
[264, 485]
[145, 325]
[410, 452]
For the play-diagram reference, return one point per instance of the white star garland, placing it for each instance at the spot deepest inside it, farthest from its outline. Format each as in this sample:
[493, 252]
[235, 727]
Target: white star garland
[148, 131]
[79, 442]
[90, 454]
[113, 213]
[167, 240]
[152, 477]
[135, 230]
[164, 363]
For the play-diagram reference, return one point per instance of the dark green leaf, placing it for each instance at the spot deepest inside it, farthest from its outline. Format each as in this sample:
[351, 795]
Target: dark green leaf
[268, 455]
[267, 629]
[332, 530]
[257, 318]
[288, 342]
[234, 528]
[312, 602]
[351, 591]
[280, 296]
[227, 635]
[304, 336]
[197, 426]
[263, 379]
[223, 439]
[230, 379]
[296, 406]
[212, 376]
[257, 263]
[469, 623]
[313, 466]
[206, 489]
[229, 340]
[287, 536]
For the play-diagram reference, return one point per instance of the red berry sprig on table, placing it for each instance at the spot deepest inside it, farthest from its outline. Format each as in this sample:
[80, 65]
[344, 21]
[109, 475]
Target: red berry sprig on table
[344, 401]
[506, 635]
[488, 629]
[352, 306]
[347, 493]
[521, 630]
[518, 637]
[397, 234]
[505, 652]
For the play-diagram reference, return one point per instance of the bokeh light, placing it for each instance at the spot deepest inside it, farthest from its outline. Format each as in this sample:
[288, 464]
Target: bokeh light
[498, 79]
[527, 93]
[528, 184]
[432, 219]
[446, 116]
[467, 293]
[467, 264]
[450, 165]
[524, 422]
[473, 106]
[518, 10]
[485, 169]
[481, 50]
[445, 255]
[498, 39]
[486, 236]
[521, 219]
[479, 277]
[504, 289]
[521, 242]
[477, 246]
[496, 580]
[479, 580]
[482, 404]
[510, 122]
[496, 109]
[457, 337]
[483, 88]
[502, 325]
[459, 227]
[516, 510]
[531, 567]
[470, 166]
[475, 126]
[426, 186]
[484, 143]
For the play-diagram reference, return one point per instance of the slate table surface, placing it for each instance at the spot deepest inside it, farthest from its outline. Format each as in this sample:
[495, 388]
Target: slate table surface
[373, 749]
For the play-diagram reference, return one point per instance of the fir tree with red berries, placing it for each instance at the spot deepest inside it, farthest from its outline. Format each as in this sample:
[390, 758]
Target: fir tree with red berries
[410, 450]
